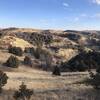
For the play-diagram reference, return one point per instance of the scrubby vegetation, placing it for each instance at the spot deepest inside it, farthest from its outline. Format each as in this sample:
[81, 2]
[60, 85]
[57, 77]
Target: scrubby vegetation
[3, 80]
[94, 79]
[40, 39]
[71, 36]
[23, 93]
[44, 49]
[29, 50]
[46, 57]
[28, 61]
[15, 50]
[37, 52]
[56, 71]
[12, 62]
[83, 62]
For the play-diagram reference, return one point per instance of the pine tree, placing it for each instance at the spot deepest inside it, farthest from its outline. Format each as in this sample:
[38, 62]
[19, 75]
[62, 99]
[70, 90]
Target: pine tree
[23, 93]
[3, 80]
[12, 62]
[56, 71]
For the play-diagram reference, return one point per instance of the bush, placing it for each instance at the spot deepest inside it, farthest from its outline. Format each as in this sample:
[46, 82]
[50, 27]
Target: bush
[37, 53]
[56, 71]
[23, 93]
[48, 39]
[12, 62]
[32, 50]
[15, 50]
[1, 35]
[46, 57]
[28, 61]
[29, 50]
[3, 80]
[37, 39]
[94, 80]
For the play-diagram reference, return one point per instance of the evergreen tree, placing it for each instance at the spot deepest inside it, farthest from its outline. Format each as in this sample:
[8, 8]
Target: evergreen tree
[3, 80]
[56, 71]
[23, 93]
[12, 62]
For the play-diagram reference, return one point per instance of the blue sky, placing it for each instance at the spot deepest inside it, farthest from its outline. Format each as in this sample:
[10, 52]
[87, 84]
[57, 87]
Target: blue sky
[51, 14]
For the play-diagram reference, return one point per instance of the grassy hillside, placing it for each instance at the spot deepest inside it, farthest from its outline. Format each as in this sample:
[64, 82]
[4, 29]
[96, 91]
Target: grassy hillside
[64, 47]
[45, 86]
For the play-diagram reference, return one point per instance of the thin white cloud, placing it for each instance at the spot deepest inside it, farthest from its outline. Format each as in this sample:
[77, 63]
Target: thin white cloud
[96, 1]
[65, 4]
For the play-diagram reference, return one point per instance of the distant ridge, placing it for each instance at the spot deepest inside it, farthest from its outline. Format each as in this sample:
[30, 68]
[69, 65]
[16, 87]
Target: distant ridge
[70, 31]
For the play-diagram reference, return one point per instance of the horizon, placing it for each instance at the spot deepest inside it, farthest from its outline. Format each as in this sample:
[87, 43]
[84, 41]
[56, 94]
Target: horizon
[50, 14]
[48, 29]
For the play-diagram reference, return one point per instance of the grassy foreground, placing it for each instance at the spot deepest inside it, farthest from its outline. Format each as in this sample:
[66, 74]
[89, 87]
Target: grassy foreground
[48, 87]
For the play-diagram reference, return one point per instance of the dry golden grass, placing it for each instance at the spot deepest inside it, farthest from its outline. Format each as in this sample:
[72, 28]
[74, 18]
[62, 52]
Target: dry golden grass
[48, 87]
[45, 85]
[14, 41]
[67, 53]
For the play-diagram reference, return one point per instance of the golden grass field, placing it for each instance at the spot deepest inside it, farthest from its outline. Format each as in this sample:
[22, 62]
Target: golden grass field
[49, 87]
[68, 86]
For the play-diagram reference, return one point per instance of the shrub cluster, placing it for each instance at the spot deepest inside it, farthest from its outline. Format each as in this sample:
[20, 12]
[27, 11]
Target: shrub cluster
[15, 50]
[29, 50]
[56, 71]
[28, 61]
[94, 79]
[83, 61]
[34, 51]
[37, 53]
[46, 57]
[23, 93]
[42, 38]
[3, 80]
[12, 62]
